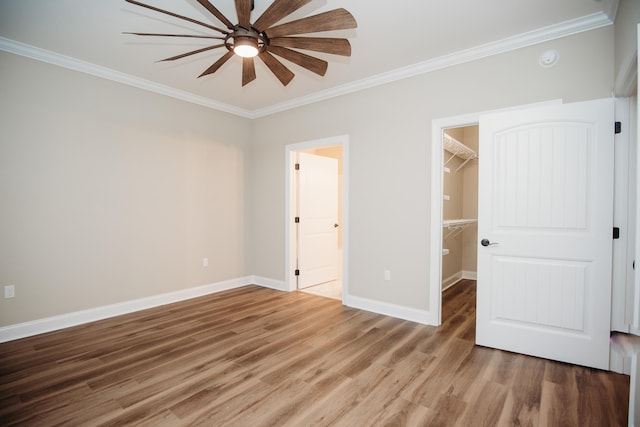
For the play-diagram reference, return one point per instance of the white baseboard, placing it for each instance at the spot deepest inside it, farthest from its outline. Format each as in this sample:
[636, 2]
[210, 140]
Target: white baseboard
[619, 363]
[451, 280]
[54, 323]
[278, 285]
[456, 278]
[470, 275]
[393, 310]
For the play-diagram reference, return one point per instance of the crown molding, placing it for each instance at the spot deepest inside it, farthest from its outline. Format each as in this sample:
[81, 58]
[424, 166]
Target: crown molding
[612, 9]
[563, 29]
[64, 61]
[545, 34]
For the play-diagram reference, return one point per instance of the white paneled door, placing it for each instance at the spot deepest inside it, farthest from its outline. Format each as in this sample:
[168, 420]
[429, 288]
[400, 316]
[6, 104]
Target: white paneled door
[545, 232]
[318, 216]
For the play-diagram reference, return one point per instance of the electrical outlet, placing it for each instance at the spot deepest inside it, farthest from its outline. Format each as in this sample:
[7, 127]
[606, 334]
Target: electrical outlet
[387, 275]
[205, 262]
[9, 291]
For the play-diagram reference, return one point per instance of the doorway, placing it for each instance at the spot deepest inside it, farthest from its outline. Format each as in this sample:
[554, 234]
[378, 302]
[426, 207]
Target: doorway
[438, 128]
[545, 217]
[460, 205]
[437, 277]
[316, 239]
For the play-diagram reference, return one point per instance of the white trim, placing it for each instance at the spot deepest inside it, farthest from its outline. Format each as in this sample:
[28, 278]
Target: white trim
[278, 285]
[437, 189]
[60, 60]
[469, 275]
[619, 361]
[541, 35]
[552, 32]
[289, 199]
[451, 281]
[635, 324]
[290, 255]
[621, 274]
[456, 278]
[48, 324]
[612, 10]
[388, 309]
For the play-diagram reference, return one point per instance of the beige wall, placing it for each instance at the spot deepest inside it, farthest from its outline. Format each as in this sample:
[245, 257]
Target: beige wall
[109, 193]
[389, 130]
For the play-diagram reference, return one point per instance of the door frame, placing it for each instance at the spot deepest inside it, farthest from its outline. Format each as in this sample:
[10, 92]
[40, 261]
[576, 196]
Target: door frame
[290, 207]
[438, 126]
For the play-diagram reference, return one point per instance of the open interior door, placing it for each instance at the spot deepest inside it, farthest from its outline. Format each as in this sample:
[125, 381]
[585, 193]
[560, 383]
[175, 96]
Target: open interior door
[545, 218]
[318, 220]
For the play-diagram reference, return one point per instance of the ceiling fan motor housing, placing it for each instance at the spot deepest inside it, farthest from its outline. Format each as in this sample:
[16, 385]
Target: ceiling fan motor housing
[246, 43]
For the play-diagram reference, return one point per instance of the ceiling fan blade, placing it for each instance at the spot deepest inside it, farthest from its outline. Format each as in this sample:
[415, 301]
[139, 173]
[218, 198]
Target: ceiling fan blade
[277, 68]
[193, 52]
[317, 44]
[215, 12]
[316, 65]
[175, 35]
[217, 64]
[278, 10]
[248, 71]
[243, 8]
[175, 15]
[337, 19]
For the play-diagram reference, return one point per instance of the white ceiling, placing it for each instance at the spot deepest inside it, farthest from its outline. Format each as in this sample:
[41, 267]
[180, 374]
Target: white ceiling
[394, 39]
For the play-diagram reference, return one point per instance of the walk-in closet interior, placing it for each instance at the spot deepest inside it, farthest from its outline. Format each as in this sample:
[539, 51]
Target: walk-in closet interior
[460, 205]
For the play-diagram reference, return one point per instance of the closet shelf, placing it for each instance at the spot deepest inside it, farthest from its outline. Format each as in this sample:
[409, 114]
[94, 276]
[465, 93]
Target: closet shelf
[458, 149]
[456, 226]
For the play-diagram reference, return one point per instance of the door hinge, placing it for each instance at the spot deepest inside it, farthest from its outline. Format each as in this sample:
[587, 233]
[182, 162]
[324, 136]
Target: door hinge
[616, 232]
[297, 166]
[297, 272]
[296, 220]
[618, 127]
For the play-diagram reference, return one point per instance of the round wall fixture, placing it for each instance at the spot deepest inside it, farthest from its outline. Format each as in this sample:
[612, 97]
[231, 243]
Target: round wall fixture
[549, 58]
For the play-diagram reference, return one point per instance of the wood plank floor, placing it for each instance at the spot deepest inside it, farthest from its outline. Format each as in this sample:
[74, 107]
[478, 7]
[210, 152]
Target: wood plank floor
[258, 357]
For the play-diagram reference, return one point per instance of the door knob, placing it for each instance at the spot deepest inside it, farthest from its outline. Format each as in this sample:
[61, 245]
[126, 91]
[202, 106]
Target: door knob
[335, 226]
[486, 242]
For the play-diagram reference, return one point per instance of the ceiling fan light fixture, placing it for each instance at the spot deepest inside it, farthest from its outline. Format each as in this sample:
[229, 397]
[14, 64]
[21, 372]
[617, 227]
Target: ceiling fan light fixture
[246, 47]
[266, 37]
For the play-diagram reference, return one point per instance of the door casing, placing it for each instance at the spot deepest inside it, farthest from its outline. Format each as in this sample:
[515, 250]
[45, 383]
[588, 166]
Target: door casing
[438, 127]
[290, 207]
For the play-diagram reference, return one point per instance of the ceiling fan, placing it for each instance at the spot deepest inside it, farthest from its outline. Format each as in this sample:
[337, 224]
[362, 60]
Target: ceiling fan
[263, 39]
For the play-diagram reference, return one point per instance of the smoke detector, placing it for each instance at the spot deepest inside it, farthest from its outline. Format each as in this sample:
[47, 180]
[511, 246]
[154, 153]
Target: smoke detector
[549, 58]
